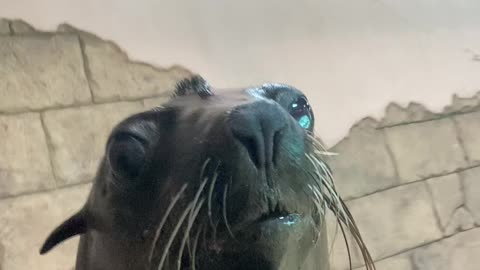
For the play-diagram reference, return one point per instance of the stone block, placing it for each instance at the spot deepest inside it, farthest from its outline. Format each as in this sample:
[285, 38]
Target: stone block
[2, 255]
[462, 104]
[461, 220]
[151, 103]
[469, 130]
[391, 222]
[398, 262]
[447, 197]
[471, 180]
[41, 71]
[25, 223]
[114, 77]
[457, 252]
[21, 27]
[425, 149]
[24, 159]
[78, 137]
[4, 27]
[395, 114]
[337, 247]
[363, 164]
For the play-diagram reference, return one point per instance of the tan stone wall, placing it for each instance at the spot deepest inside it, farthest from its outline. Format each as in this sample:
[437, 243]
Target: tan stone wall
[412, 180]
[60, 94]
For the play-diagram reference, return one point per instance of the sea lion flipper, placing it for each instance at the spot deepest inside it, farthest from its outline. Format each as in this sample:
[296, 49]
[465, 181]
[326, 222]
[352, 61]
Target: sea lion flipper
[76, 224]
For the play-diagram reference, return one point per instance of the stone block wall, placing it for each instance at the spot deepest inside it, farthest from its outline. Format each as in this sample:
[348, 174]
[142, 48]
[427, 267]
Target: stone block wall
[412, 179]
[60, 94]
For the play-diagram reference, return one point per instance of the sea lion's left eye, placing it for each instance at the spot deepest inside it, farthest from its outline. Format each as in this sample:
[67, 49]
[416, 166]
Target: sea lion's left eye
[301, 111]
[126, 155]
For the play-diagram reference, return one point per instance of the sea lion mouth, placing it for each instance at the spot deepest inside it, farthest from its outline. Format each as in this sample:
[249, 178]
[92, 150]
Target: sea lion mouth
[267, 227]
[275, 218]
[262, 244]
[253, 231]
[284, 218]
[275, 241]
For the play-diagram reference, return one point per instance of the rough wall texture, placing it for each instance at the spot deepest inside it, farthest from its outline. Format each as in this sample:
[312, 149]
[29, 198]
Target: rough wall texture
[412, 180]
[60, 94]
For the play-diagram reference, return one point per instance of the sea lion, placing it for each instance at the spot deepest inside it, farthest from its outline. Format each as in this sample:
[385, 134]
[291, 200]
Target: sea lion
[211, 181]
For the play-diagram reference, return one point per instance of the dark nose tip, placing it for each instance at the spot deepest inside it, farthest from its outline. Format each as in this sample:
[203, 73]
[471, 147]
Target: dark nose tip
[258, 127]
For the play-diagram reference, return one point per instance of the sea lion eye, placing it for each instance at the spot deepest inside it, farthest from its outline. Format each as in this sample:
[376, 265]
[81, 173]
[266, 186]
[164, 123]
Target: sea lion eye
[126, 155]
[301, 111]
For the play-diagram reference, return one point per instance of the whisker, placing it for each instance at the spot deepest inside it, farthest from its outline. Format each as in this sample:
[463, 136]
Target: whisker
[334, 238]
[214, 234]
[199, 191]
[316, 142]
[204, 167]
[328, 184]
[337, 206]
[164, 219]
[187, 231]
[325, 200]
[197, 196]
[202, 173]
[346, 244]
[225, 211]
[317, 201]
[210, 194]
[324, 153]
[318, 198]
[350, 223]
[320, 148]
[195, 245]
[174, 234]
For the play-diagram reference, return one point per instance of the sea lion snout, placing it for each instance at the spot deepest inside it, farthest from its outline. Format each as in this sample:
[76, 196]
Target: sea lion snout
[260, 127]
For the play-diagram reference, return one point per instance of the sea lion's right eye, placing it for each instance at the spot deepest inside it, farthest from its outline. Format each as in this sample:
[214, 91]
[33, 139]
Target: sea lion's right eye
[301, 111]
[126, 155]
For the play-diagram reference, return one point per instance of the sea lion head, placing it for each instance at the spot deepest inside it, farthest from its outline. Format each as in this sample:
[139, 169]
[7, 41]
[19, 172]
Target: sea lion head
[233, 180]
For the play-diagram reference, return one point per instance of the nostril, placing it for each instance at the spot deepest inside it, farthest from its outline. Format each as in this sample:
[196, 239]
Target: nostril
[277, 138]
[252, 146]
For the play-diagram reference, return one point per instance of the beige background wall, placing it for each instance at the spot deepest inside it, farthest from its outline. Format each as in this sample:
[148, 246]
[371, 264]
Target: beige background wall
[411, 178]
[358, 54]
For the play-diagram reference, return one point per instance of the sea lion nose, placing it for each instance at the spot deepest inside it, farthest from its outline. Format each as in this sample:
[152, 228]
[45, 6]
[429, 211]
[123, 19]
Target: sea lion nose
[258, 127]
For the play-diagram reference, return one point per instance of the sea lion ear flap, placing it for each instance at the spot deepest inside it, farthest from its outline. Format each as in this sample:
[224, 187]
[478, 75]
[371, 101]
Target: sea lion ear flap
[76, 224]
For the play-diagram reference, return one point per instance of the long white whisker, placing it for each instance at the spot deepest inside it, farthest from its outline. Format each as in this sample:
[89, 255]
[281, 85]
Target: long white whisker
[225, 211]
[325, 153]
[316, 142]
[320, 148]
[164, 219]
[195, 244]
[197, 195]
[336, 204]
[187, 231]
[321, 212]
[318, 197]
[210, 194]
[330, 185]
[174, 234]
[318, 194]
